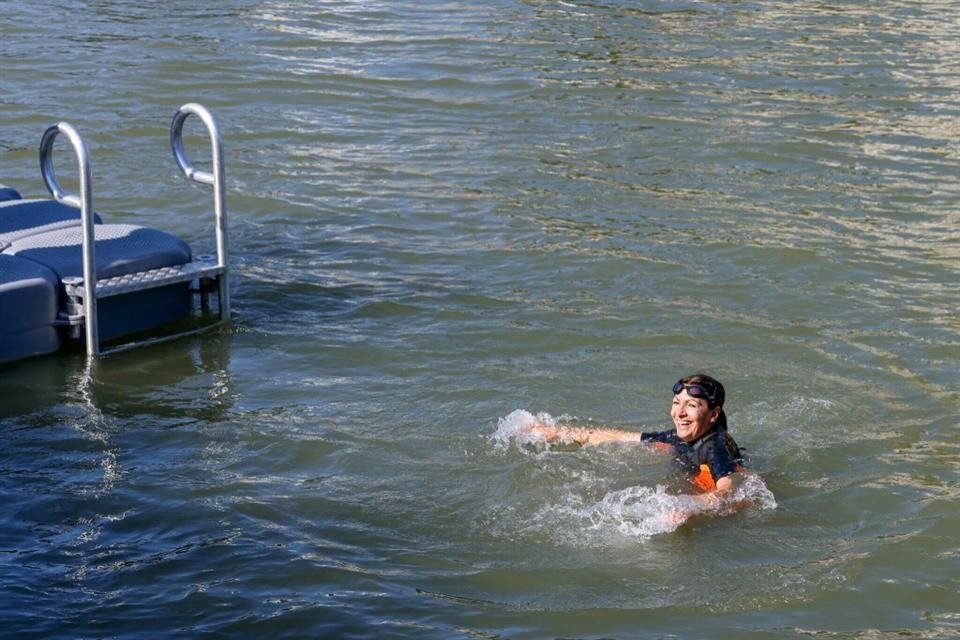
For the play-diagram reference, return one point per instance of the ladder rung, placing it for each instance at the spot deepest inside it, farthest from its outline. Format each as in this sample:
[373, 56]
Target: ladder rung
[143, 280]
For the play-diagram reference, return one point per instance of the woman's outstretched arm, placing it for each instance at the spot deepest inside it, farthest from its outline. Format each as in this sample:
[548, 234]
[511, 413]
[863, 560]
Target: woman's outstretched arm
[584, 435]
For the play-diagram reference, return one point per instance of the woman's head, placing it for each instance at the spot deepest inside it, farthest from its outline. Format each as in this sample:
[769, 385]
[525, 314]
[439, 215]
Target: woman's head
[697, 406]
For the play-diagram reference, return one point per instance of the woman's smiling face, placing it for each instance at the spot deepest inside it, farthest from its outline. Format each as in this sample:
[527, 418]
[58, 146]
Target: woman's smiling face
[692, 416]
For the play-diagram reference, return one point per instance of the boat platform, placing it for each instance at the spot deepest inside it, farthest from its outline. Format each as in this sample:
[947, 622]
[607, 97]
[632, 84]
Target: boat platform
[67, 276]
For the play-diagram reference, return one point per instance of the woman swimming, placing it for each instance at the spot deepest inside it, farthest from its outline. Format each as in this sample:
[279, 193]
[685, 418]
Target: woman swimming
[699, 440]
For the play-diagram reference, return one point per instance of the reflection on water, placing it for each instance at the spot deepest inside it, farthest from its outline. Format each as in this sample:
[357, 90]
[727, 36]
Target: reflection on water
[193, 383]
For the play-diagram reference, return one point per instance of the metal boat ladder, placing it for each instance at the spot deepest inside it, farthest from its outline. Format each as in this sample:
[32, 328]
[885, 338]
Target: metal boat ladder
[208, 274]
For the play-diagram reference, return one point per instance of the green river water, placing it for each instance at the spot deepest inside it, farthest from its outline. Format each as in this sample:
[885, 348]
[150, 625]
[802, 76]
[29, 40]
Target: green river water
[448, 217]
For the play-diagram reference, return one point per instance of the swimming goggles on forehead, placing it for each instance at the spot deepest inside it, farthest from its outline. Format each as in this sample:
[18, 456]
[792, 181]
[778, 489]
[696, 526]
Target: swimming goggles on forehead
[696, 391]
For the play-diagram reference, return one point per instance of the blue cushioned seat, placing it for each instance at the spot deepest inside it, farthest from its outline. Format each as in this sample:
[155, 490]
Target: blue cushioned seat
[121, 249]
[19, 218]
[29, 295]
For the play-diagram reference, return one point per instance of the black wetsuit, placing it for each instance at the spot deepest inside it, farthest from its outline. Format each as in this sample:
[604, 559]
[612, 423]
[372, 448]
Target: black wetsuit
[714, 454]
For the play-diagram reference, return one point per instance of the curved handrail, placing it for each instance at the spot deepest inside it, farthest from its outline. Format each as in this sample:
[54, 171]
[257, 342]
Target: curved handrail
[215, 179]
[84, 202]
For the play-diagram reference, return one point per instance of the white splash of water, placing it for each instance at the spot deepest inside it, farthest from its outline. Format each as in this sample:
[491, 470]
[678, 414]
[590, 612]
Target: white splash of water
[637, 513]
[754, 492]
[620, 517]
[518, 428]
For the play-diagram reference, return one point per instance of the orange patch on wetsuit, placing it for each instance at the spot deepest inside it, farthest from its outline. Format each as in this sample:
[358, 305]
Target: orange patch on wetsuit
[704, 479]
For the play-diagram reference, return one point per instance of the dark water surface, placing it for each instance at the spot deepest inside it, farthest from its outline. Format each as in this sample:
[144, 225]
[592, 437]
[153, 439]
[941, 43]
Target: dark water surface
[444, 215]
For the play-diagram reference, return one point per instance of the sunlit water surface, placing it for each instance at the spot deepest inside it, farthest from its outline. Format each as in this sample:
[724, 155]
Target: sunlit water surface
[447, 218]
